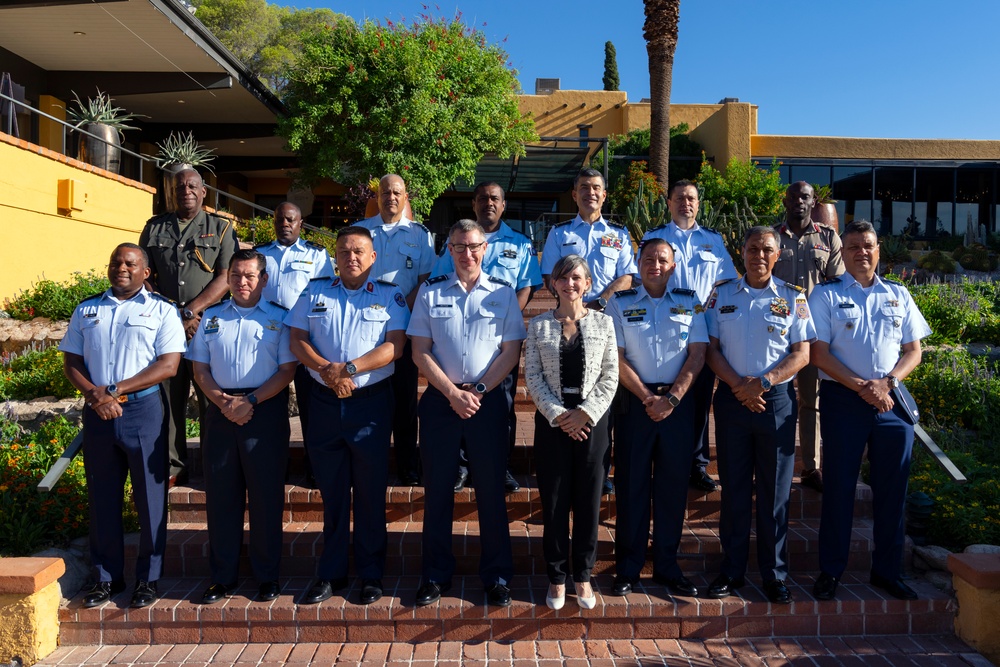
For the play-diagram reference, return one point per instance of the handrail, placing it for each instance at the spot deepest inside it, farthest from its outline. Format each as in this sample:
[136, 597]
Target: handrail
[62, 463]
[940, 457]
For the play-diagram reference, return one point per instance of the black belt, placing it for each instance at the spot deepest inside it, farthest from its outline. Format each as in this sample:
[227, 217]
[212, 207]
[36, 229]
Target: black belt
[659, 388]
[240, 392]
[357, 393]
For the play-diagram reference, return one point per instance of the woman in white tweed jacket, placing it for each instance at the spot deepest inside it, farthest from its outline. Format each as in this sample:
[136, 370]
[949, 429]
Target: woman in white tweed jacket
[571, 370]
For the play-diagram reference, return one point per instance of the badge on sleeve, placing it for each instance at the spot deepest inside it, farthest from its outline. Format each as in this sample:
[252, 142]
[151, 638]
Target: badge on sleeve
[400, 301]
[801, 308]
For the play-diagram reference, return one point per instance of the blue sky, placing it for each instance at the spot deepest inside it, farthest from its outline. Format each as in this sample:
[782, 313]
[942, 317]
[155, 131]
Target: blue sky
[873, 68]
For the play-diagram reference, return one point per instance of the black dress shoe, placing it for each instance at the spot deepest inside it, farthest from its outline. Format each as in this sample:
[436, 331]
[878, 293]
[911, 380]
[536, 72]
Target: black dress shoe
[678, 585]
[101, 592]
[896, 589]
[812, 479]
[777, 592]
[510, 484]
[371, 590]
[702, 481]
[269, 590]
[498, 595]
[621, 586]
[216, 592]
[463, 477]
[323, 589]
[723, 587]
[430, 592]
[144, 594]
[607, 488]
[409, 478]
[825, 587]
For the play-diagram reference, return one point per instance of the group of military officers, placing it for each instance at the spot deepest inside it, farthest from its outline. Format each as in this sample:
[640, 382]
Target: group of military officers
[350, 343]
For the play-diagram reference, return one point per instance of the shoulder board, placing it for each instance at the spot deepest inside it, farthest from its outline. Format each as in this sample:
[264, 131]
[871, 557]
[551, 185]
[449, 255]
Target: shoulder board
[714, 231]
[626, 292]
[213, 307]
[499, 281]
[159, 296]
[388, 283]
[723, 282]
[561, 224]
[796, 288]
[892, 282]
[312, 280]
[683, 290]
[157, 217]
[656, 229]
[313, 244]
[436, 279]
[277, 305]
[97, 296]
[831, 281]
[616, 224]
[262, 245]
[420, 225]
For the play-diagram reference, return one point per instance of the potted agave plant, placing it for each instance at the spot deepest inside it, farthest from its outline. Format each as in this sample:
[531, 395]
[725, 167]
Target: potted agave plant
[100, 116]
[825, 210]
[178, 152]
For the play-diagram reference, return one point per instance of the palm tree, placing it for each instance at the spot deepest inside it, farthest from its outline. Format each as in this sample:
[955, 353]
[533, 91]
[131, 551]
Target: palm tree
[660, 32]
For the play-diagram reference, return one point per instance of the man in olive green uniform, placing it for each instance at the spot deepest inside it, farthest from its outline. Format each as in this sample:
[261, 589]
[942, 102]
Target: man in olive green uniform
[810, 253]
[189, 252]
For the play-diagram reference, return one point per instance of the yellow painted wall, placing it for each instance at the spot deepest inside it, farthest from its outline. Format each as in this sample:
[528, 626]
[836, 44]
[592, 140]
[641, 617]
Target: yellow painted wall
[40, 240]
[765, 145]
[50, 133]
[29, 624]
[976, 621]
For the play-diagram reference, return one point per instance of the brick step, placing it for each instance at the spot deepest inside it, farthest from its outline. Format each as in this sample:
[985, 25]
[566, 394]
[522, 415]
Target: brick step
[700, 551]
[650, 612]
[404, 503]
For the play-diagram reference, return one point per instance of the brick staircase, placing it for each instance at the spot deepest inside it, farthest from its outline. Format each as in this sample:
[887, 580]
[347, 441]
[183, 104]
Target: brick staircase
[650, 612]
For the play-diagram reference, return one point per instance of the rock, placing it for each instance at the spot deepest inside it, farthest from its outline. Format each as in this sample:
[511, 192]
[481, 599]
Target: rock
[940, 580]
[17, 336]
[935, 558]
[979, 349]
[982, 549]
[77, 570]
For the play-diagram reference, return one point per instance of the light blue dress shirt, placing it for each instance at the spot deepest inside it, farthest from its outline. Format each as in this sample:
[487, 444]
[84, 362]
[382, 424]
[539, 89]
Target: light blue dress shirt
[655, 333]
[865, 329]
[290, 268]
[467, 328]
[509, 256]
[756, 332]
[344, 325]
[607, 247]
[404, 251]
[701, 256]
[118, 339]
[242, 350]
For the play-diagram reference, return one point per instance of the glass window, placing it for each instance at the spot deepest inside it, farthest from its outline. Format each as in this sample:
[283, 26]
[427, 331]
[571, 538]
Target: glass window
[816, 175]
[852, 188]
[893, 199]
[934, 195]
[973, 199]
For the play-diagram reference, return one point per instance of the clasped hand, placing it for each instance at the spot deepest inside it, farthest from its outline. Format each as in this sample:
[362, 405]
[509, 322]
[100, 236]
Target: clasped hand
[574, 423]
[750, 393]
[877, 394]
[658, 408]
[104, 404]
[236, 409]
[334, 378]
[464, 402]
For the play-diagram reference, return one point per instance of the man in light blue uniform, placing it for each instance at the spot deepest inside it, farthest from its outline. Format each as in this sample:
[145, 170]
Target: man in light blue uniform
[466, 331]
[405, 251]
[511, 257]
[868, 334]
[243, 364]
[662, 338]
[606, 246]
[759, 331]
[348, 331]
[291, 264]
[119, 346]
[702, 261]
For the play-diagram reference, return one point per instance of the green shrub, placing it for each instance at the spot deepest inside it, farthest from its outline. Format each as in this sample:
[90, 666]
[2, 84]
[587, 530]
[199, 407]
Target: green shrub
[936, 261]
[34, 373]
[744, 184]
[964, 312]
[31, 520]
[957, 390]
[56, 301]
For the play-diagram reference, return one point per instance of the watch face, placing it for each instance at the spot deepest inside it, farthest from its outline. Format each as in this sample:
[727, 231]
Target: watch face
[481, 388]
[351, 368]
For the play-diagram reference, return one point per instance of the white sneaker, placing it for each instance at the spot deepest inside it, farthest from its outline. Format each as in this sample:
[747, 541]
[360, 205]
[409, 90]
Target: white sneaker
[585, 602]
[555, 602]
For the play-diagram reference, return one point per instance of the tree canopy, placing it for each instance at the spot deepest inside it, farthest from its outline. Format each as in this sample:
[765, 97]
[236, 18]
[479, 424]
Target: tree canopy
[425, 100]
[611, 79]
[266, 38]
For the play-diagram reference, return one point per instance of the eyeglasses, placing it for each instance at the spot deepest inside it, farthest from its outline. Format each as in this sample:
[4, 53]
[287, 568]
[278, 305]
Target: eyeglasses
[462, 247]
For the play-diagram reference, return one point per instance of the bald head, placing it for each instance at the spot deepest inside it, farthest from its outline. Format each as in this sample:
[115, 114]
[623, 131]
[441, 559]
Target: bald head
[392, 198]
[189, 193]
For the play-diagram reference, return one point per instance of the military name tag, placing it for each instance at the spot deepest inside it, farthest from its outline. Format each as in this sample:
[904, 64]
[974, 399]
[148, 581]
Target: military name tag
[725, 310]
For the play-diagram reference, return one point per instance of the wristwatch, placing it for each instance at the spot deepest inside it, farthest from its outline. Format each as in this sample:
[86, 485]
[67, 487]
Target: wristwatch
[598, 304]
[187, 314]
[112, 390]
[765, 384]
[892, 380]
[480, 388]
[251, 399]
[673, 400]
[351, 369]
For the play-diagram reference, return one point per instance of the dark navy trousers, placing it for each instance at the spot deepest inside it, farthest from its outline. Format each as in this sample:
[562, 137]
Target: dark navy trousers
[442, 433]
[348, 443]
[404, 415]
[759, 446]
[246, 463]
[134, 443]
[652, 462]
[848, 425]
[701, 396]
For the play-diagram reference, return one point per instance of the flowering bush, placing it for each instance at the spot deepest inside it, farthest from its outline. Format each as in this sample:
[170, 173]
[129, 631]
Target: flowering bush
[32, 520]
[962, 312]
[55, 300]
[34, 373]
[957, 390]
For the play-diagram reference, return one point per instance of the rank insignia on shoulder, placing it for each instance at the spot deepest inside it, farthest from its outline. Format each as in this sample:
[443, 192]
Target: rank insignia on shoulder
[831, 281]
[317, 246]
[626, 292]
[561, 224]
[436, 279]
[275, 303]
[714, 231]
[797, 288]
[615, 224]
[155, 295]
[499, 281]
[262, 245]
[723, 282]
[312, 280]
[892, 282]
[683, 290]
[654, 229]
[100, 294]
[725, 310]
[388, 283]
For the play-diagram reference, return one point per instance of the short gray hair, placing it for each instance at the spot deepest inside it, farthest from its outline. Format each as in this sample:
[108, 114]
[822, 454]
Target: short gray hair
[762, 230]
[463, 226]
